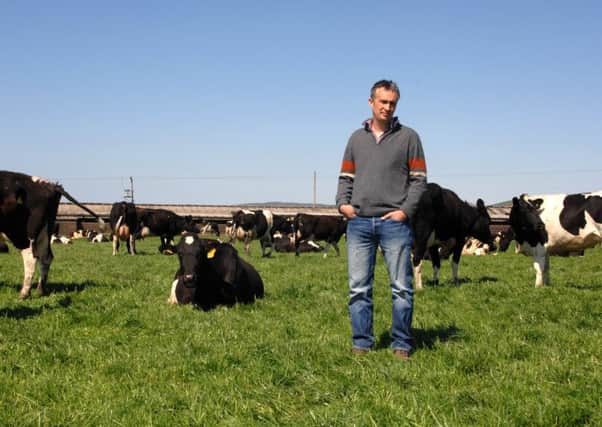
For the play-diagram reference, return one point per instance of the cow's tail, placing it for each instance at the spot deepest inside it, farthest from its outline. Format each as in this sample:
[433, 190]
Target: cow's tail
[72, 199]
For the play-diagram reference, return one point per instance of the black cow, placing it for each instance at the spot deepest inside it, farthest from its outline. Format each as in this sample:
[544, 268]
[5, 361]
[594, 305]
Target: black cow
[248, 225]
[124, 225]
[212, 273]
[442, 217]
[319, 227]
[28, 208]
[555, 224]
[165, 224]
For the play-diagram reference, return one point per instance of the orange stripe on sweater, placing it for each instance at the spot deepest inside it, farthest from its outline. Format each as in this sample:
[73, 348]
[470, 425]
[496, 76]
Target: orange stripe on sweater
[417, 164]
[348, 166]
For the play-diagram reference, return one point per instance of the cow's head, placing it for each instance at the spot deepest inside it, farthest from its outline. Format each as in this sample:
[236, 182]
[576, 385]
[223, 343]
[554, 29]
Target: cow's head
[191, 254]
[504, 238]
[480, 228]
[243, 219]
[526, 222]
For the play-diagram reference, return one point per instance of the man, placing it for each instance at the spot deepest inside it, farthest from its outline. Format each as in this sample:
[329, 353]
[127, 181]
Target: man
[382, 178]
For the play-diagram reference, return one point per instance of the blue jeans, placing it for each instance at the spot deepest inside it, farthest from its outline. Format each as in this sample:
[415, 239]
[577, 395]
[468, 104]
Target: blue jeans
[364, 235]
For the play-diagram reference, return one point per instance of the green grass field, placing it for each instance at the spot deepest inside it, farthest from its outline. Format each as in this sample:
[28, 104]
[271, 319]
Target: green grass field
[105, 349]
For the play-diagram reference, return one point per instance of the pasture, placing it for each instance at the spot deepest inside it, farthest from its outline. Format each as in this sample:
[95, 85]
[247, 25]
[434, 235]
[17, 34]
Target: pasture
[104, 348]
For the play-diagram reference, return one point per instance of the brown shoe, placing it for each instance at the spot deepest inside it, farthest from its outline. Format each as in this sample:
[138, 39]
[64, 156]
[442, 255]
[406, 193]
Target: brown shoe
[359, 351]
[401, 354]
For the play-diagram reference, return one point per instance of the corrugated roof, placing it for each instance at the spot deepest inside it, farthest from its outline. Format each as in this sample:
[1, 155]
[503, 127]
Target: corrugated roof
[224, 212]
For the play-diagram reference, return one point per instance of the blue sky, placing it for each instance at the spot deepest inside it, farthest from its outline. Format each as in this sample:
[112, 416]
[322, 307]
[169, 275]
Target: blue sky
[236, 102]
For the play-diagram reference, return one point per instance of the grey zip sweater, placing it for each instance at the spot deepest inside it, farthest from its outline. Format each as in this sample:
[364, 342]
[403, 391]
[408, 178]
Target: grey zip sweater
[380, 177]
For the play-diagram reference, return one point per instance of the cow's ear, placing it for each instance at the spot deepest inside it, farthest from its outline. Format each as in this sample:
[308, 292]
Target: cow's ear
[515, 201]
[481, 204]
[536, 203]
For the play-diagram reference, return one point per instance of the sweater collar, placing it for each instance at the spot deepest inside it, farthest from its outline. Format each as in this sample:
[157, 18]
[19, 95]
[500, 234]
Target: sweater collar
[394, 125]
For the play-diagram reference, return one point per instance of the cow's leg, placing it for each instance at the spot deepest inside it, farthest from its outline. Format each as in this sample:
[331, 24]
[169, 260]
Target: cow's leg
[417, 273]
[247, 245]
[539, 263]
[132, 245]
[115, 244]
[44, 268]
[436, 262]
[456, 262]
[266, 243]
[44, 259]
[326, 247]
[546, 270]
[29, 268]
[172, 296]
[336, 248]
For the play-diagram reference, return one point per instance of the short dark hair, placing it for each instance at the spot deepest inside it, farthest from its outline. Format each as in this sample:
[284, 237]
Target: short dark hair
[385, 84]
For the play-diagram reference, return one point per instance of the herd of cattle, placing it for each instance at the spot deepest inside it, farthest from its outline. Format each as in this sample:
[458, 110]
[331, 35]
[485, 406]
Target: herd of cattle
[212, 272]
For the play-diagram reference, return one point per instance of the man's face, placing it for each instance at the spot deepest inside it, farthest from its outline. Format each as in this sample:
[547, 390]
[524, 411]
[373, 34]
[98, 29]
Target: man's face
[383, 104]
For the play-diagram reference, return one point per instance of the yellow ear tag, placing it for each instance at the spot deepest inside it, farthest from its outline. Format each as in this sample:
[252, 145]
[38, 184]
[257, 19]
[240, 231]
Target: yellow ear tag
[211, 253]
[19, 200]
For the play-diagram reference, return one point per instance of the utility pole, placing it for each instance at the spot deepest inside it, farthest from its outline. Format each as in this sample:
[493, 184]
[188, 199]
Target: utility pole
[315, 189]
[128, 193]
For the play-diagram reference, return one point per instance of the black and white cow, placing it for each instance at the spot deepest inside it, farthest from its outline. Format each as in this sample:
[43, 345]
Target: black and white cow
[286, 243]
[212, 273]
[210, 227]
[249, 225]
[28, 208]
[282, 224]
[124, 225]
[443, 218]
[165, 224]
[329, 228]
[555, 224]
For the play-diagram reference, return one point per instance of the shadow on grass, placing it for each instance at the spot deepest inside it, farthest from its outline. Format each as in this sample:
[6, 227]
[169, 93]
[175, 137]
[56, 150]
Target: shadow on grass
[424, 338]
[23, 312]
[585, 287]
[461, 281]
[56, 288]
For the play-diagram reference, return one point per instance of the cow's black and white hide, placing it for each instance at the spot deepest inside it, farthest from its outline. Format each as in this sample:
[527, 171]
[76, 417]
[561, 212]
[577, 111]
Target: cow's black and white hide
[211, 273]
[61, 240]
[210, 227]
[125, 224]
[555, 224]
[249, 225]
[286, 243]
[28, 208]
[165, 224]
[313, 228]
[442, 218]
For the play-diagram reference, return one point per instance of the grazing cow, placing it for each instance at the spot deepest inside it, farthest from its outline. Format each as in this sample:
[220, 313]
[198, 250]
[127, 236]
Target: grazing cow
[165, 224]
[249, 225]
[212, 273]
[319, 227]
[28, 208]
[443, 217]
[124, 225]
[555, 224]
[286, 243]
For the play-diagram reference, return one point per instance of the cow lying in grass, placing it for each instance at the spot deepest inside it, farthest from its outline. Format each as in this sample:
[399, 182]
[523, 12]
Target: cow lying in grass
[212, 273]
